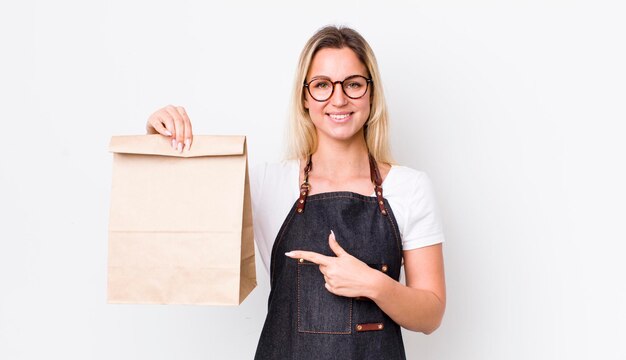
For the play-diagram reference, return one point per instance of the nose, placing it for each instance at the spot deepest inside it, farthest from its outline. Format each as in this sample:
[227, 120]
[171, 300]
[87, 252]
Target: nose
[338, 97]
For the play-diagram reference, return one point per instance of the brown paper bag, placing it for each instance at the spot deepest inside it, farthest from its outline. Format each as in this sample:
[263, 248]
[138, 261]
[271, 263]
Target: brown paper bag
[180, 227]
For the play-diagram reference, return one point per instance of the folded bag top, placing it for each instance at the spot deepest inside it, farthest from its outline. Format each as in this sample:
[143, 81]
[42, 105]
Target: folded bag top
[203, 145]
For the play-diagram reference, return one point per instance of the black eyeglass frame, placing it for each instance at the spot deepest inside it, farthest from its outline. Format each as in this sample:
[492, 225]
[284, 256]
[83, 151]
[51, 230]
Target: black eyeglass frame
[334, 84]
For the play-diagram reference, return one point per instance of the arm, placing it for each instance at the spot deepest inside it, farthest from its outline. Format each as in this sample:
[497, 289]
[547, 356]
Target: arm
[418, 306]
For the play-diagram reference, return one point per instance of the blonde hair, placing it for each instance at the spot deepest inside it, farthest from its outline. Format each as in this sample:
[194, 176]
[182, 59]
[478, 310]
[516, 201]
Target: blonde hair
[302, 134]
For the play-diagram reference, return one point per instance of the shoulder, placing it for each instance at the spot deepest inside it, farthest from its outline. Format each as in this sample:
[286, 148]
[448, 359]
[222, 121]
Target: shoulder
[405, 180]
[268, 179]
[263, 172]
[408, 189]
[412, 199]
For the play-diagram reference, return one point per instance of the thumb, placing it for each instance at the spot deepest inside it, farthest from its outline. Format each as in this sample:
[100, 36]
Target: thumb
[334, 245]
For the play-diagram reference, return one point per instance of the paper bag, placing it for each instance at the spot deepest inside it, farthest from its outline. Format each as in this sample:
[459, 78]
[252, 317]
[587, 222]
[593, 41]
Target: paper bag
[180, 226]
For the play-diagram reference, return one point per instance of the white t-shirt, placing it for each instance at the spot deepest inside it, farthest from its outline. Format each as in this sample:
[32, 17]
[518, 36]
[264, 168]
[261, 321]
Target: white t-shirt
[275, 188]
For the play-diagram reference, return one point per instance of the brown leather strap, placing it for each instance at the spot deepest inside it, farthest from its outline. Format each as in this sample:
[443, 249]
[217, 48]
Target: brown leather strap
[305, 187]
[377, 180]
[369, 327]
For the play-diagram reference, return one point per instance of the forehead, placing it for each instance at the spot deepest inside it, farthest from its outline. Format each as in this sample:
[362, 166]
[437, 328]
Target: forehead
[336, 64]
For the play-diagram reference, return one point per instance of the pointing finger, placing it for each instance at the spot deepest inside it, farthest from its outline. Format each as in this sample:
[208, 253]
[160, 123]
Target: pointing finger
[334, 245]
[311, 256]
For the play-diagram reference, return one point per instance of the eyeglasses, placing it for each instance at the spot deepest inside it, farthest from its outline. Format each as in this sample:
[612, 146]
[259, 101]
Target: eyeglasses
[322, 89]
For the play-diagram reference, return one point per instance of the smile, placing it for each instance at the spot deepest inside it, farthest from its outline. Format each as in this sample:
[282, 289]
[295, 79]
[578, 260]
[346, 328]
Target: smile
[339, 117]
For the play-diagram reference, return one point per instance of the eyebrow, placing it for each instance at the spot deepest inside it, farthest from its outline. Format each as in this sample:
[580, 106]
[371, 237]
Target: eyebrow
[328, 77]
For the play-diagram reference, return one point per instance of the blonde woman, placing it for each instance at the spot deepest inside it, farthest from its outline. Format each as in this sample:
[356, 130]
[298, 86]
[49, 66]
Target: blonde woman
[335, 223]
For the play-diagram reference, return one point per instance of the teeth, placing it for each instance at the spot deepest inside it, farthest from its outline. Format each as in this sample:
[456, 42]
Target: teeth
[339, 117]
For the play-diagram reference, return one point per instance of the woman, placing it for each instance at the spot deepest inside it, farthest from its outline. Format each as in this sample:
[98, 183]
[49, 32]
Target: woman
[337, 241]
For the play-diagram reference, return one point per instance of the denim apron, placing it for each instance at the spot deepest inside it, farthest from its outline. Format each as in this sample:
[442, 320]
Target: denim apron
[305, 320]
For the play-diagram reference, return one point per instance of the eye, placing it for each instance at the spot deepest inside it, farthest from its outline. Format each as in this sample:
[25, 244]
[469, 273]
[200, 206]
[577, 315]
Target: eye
[353, 84]
[321, 84]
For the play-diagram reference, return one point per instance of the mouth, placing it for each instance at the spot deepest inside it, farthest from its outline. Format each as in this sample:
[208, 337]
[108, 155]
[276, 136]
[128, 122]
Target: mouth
[340, 117]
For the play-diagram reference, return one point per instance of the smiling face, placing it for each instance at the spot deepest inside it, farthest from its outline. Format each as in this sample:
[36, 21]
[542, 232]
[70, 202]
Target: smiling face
[339, 118]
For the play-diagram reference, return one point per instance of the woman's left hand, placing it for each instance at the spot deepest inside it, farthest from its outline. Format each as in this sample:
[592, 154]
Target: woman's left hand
[344, 274]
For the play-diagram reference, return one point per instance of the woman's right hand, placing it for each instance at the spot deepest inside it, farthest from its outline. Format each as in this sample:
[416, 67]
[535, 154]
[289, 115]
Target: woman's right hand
[173, 122]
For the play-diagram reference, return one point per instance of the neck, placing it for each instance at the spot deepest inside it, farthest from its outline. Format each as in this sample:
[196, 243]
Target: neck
[341, 158]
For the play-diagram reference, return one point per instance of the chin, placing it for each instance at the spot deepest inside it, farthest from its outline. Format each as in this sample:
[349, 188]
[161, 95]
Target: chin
[343, 135]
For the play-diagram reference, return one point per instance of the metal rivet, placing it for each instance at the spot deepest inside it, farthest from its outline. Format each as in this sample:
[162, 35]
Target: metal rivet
[384, 212]
[299, 210]
[380, 202]
[379, 193]
[301, 201]
[303, 193]
[384, 268]
[359, 327]
[380, 326]
[301, 260]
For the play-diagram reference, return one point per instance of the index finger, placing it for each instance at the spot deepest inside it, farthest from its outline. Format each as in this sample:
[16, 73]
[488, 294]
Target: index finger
[311, 256]
[187, 123]
[179, 126]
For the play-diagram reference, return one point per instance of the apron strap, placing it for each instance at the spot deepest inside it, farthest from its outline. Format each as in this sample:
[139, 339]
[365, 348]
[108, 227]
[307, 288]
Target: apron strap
[377, 180]
[378, 184]
[305, 187]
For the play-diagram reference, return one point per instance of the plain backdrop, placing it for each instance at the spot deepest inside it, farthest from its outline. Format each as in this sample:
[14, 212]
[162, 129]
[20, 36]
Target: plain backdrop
[515, 110]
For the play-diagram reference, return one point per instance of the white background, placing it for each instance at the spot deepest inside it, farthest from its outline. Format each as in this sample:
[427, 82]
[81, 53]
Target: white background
[515, 111]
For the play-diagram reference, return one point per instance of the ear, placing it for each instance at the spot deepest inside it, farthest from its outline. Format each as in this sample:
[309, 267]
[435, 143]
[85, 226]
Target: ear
[305, 101]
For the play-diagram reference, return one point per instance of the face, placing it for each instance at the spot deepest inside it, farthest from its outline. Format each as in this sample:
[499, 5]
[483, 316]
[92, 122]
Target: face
[340, 117]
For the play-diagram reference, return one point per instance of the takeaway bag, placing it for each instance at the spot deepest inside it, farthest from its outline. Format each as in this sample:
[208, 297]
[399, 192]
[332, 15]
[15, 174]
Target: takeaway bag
[180, 225]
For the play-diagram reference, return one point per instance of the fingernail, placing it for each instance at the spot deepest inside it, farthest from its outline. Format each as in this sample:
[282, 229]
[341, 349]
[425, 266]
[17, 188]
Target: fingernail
[180, 147]
[168, 133]
[187, 144]
[290, 253]
[332, 233]
[173, 143]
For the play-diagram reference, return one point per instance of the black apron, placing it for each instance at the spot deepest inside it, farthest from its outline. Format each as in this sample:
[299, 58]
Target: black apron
[305, 320]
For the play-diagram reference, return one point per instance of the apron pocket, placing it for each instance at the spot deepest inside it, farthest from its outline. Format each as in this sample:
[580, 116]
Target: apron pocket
[320, 311]
[367, 316]
[366, 312]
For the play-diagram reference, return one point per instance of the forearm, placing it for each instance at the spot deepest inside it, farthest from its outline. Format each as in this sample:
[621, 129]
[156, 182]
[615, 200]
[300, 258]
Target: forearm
[414, 309]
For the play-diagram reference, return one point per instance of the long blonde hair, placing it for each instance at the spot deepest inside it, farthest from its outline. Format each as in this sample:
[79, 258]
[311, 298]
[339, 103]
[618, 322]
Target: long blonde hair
[302, 134]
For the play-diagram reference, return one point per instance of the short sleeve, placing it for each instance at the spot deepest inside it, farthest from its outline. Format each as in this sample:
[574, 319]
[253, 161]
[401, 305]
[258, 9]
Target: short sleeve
[274, 189]
[257, 179]
[422, 223]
